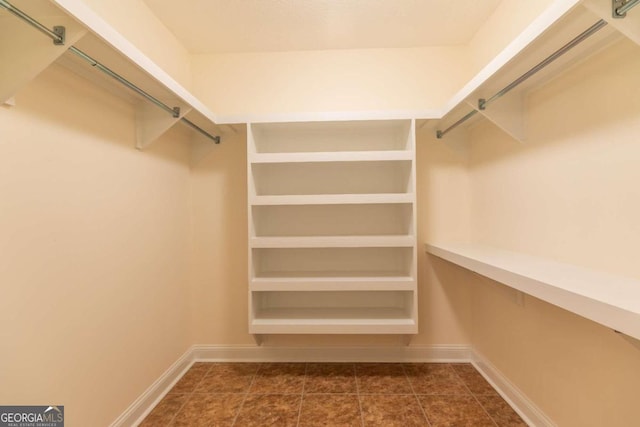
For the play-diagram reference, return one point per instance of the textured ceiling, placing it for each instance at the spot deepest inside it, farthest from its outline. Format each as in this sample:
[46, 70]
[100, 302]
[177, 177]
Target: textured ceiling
[207, 26]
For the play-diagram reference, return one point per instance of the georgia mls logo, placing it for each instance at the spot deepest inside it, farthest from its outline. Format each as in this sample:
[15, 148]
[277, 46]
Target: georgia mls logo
[32, 416]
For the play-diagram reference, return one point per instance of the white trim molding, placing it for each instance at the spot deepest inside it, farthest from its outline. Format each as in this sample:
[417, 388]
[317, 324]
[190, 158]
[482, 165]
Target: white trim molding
[456, 353]
[528, 411]
[144, 404]
[431, 353]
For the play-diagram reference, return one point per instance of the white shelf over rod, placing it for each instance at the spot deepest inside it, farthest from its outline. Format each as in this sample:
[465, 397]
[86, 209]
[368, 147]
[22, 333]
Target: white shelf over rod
[603, 298]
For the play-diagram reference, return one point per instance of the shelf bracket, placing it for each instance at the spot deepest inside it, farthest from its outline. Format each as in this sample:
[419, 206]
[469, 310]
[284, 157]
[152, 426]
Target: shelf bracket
[153, 122]
[629, 26]
[507, 113]
[26, 53]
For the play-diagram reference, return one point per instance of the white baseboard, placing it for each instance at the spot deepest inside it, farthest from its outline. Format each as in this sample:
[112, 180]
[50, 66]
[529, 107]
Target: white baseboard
[527, 410]
[139, 409]
[432, 353]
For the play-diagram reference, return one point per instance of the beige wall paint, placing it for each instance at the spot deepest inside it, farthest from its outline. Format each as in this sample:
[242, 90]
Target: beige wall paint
[94, 244]
[135, 21]
[568, 193]
[336, 80]
[506, 22]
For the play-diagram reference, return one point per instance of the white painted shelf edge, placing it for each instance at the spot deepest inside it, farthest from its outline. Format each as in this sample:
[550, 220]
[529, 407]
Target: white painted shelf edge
[352, 241]
[610, 300]
[331, 199]
[335, 156]
[333, 284]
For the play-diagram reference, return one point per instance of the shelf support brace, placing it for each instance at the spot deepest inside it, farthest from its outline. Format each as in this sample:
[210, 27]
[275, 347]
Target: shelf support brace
[25, 53]
[619, 8]
[152, 122]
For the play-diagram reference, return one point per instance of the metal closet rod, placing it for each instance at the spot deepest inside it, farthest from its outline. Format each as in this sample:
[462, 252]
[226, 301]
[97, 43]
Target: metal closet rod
[58, 38]
[482, 103]
[622, 10]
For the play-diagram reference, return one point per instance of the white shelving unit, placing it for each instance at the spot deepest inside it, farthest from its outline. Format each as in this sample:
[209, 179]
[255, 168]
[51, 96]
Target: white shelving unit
[610, 300]
[332, 242]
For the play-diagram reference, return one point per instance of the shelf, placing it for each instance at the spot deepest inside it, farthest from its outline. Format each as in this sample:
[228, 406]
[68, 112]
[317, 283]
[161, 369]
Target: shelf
[603, 298]
[543, 52]
[334, 281]
[332, 321]
[331, 199]
[332, 228]
[337, 156]
[332, 242]
[28, 52]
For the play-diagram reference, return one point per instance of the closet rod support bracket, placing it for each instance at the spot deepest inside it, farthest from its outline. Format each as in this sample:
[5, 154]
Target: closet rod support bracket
[439, 134]
[61, 31]
[619, 8]
[482, 104]
[176, 112]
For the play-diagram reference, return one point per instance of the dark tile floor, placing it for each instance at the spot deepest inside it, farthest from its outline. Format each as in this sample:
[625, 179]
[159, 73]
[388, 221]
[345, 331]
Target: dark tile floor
[333, 394]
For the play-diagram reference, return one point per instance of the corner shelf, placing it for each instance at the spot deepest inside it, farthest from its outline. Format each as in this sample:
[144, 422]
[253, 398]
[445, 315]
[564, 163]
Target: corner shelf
[609, 300]
[332, 227]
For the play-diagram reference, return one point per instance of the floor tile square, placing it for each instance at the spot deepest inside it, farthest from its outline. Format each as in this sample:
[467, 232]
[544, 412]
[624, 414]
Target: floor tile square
[164, 411]
[500, 411]
[455, 411]
[261, 410]
[279, 378]
[191, 378]
[392, 411]
[434, 378]
[228, 378]
[330, 378]
[322, 410]
[473, 379]
[209, 410]
[385, 378]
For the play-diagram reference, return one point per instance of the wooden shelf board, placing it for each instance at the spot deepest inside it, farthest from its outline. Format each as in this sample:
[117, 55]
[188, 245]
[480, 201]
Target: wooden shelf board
[332, 199]
[333, 283]
[333, 242]
[355, 320]
[603, 298]
[334, 156]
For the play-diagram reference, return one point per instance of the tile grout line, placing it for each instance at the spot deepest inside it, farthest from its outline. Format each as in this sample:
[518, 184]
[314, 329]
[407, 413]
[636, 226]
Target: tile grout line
[190, 395]
[355, 374]
[246, 394]
[304, 382]
[474, 396]
[415, 395]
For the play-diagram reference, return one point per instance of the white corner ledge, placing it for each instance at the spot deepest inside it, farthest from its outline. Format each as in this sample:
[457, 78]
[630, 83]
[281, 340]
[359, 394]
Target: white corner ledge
[610, 300]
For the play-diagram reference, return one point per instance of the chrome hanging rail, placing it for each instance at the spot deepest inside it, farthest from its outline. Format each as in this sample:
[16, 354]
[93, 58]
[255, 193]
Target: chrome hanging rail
[482, 103]
[620, 7]
[58, 37]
